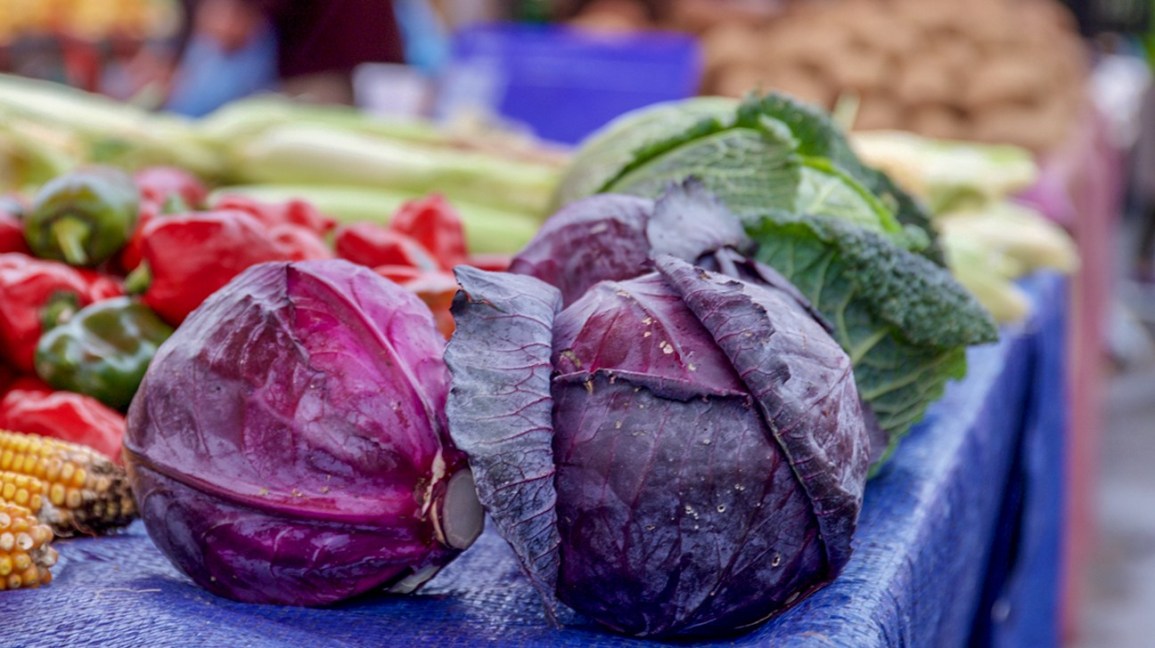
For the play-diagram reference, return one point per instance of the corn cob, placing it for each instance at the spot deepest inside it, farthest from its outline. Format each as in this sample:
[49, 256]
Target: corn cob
[25, 550]
[21, 490]
[81, 490]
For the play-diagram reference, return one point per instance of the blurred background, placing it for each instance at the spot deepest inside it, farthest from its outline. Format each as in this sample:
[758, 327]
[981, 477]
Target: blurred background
[1061, 90]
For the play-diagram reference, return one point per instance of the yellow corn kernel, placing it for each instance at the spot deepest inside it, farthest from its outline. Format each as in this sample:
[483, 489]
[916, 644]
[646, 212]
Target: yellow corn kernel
[21, 489]
[30, 577]
[56, 494]
[26, 553]
[81, 490]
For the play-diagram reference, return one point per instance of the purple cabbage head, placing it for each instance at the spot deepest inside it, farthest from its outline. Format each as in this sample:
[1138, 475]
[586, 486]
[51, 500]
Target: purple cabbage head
[680, 453]
[289, 445]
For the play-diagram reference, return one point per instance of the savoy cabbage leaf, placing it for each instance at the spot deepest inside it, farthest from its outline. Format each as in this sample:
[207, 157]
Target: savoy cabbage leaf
[903, 320]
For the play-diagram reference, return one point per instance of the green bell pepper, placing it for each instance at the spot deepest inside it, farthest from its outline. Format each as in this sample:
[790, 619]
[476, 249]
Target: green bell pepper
[84, 217]
[103, 350]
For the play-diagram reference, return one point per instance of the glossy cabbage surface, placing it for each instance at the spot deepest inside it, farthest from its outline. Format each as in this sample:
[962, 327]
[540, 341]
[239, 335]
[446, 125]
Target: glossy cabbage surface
[699, 444]
[288, 444]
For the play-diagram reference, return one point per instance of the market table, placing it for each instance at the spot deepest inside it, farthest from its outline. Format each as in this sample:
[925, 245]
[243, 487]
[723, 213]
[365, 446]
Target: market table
[958, 540]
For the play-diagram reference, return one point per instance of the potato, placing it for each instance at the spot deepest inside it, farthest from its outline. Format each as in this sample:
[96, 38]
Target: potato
[922, 81]
[699, 16]
[936, 120]
[862, 69]
[805, 86]
[1006, 79]
[879, 111]
[732, 44]
[1015, 123]
[957, 54]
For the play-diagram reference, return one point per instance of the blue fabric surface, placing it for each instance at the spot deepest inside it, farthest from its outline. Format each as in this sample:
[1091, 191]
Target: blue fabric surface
[925, 540]
[1024, 608]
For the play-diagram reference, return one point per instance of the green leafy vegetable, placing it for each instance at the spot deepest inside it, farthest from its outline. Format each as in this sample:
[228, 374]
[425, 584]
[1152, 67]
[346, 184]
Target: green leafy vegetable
[858, 247]
[603, 154]
[903, 320]
[768, 153]
[819, 137]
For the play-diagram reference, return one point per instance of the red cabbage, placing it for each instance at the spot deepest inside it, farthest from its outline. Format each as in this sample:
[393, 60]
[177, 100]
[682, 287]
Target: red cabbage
[289, 444]
[697, 443]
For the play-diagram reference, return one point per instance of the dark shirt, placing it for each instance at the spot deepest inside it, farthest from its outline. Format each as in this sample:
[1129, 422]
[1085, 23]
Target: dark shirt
[316, 36]
[334, 35]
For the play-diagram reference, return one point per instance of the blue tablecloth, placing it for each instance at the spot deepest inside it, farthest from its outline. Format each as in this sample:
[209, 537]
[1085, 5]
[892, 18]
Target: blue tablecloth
[957, 544]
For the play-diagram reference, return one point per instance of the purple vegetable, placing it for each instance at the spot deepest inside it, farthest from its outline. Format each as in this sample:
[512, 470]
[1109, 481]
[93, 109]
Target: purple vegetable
[610, 237]
[289, 445]
[613, 237]
[683, 453]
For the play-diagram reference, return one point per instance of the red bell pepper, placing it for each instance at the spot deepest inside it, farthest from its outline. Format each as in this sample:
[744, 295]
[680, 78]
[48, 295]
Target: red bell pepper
[490, 262]
[372, 245]
[290, 212]
[187, 257]
[130, 255]
[28, 286]
[159, 184]
[432, 222]
[418, 249]
[435, 288]
[7, 377]
[12, 233]
[32, 406]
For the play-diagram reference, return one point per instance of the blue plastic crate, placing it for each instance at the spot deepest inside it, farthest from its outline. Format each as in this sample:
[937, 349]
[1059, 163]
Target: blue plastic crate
[564, 83]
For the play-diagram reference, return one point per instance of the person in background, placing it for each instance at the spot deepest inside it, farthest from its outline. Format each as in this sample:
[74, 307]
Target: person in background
[306, 49]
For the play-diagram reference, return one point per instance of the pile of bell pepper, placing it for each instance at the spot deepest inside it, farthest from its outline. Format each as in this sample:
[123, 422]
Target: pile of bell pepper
[98, 268]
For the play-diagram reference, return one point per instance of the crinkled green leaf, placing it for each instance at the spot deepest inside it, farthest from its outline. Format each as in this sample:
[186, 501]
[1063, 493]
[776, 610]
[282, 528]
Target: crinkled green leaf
[826, 190]
[748, 169]
[604, 154]
[903, 320]
[818, 136]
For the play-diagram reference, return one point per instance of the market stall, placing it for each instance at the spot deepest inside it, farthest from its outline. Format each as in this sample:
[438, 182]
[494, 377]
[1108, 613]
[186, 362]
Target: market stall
[354, 338]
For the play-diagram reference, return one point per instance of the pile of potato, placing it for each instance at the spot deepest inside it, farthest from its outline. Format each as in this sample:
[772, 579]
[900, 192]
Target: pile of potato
[1001, 71]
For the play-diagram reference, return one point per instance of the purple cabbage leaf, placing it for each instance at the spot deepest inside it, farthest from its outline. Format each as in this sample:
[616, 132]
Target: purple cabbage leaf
[289, 445]
[706, 448]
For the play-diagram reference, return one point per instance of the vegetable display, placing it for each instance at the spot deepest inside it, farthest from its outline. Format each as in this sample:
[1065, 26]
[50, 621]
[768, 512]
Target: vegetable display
[33, 407]
[995, 71]
[103, 350]
[187, 257]
[678, 454]
[26, 564]
[288, 444]
[860, 249]
[668, 400]
[32, 290]
[990, 240]
[84, 217]
[349, 164]
[80, 490]
[51, 488]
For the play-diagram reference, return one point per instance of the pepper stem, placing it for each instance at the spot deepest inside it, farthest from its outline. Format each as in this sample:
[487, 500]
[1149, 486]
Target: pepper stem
[59, 308]
[137, 281]
[70, 233]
